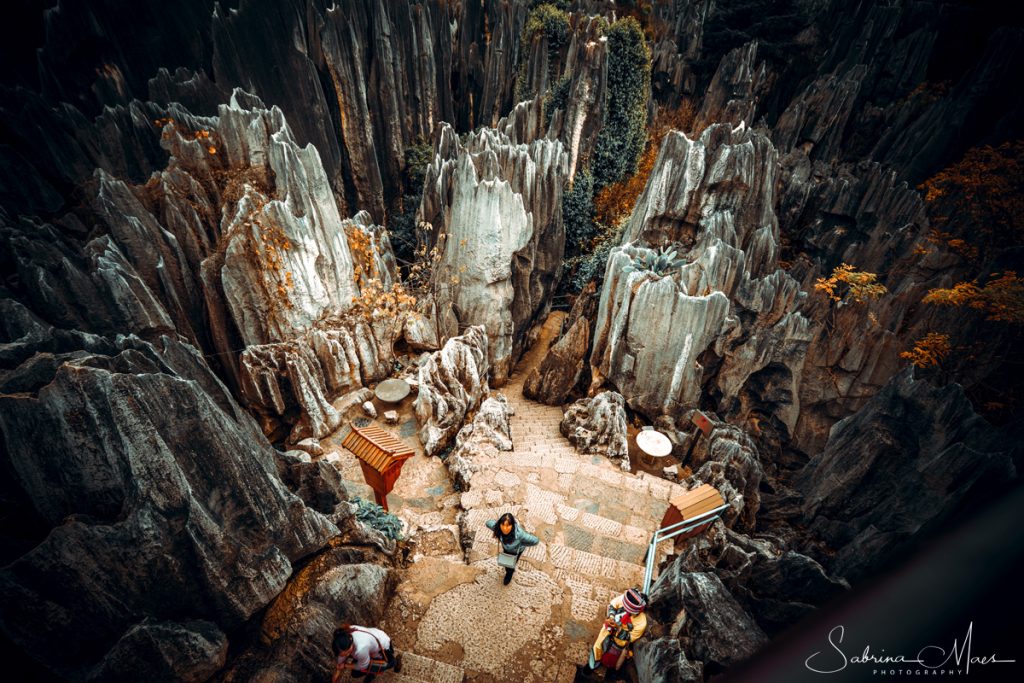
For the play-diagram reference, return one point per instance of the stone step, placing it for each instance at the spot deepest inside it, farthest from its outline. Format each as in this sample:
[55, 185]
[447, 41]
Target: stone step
[572, 463]
[571, 520]
[589, 599]
[625, 500]
[597, 568]
[419, 669]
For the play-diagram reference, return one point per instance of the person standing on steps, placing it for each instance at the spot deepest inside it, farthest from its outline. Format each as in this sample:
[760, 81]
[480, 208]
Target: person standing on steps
[513, 541]
[365, 651]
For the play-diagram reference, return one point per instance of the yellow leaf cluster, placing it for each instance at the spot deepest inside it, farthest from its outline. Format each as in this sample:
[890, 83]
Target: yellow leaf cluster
[968, 251]
[846, 280]
[1002, 297]
[929, 350]
[376, 302]
[203, 136]
[983, 194]
[363, 254]
[422, 269]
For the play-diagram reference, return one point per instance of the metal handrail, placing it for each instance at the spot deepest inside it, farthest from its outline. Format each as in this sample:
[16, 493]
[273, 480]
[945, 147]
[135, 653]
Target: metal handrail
[672, 531]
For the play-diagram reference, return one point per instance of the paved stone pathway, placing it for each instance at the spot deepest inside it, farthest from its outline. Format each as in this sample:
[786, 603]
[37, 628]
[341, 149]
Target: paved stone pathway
[456, 620]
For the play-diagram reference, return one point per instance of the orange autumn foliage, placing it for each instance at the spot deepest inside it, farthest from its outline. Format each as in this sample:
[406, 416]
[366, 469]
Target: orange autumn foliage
[982, 196]
[615, 202]
[929, 350]
[1002, 298]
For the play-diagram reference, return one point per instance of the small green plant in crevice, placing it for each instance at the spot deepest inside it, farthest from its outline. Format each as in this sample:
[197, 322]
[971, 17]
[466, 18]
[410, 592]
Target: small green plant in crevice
[659, 262]
[374, 516]
[590, 267]
[446, 451]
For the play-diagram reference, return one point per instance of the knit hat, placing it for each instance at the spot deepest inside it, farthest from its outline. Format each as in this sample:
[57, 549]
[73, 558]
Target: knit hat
[633, 601]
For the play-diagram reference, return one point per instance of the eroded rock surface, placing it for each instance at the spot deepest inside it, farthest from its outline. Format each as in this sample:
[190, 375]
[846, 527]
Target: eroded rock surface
[597, 426]
[489, 433]
[713, 626]
[560, 371]
[712, 200]
[565, 370]
[167, 467]
[495, 204]
[728, 460]
[451, 383]
[928, 451]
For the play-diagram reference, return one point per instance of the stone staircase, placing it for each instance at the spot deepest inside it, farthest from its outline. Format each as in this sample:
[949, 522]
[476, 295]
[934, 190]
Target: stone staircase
[452, 617]
[419, 669]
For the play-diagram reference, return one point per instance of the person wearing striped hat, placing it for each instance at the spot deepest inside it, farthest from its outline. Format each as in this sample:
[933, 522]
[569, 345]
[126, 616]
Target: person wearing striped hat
[625, 613]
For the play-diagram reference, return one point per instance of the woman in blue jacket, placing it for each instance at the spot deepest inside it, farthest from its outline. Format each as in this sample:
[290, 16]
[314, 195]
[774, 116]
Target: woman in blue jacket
[513, 539]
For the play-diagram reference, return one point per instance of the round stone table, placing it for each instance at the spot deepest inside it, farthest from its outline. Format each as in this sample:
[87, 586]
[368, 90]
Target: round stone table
[392, 390]
[654, 445]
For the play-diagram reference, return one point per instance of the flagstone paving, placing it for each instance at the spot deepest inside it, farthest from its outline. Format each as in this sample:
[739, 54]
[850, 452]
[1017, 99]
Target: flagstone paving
[451, 613]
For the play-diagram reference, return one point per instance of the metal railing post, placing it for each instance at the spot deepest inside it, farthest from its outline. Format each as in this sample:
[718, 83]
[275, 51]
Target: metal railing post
[657, 537]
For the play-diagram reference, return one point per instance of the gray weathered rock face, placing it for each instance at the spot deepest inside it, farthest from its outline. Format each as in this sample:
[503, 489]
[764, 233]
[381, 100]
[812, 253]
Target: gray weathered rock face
[598, 426]
[360, 81]
[729, 461]
[451, 383]
[712, 199]
[739, 82]
[713, 627]
[495, 204]
[308, 371]
[926, 453]
[160, 650]
[662, 660]
[340, 585]
[672, 73]
[650, 333]
[286, 259]
[167, 467]
[489, 433]
[581, 118]
[774, 584]
[560, 371]
[565, 370]
[236, 242]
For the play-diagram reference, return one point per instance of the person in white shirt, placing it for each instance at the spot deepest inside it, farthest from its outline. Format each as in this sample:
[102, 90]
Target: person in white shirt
[363, 650]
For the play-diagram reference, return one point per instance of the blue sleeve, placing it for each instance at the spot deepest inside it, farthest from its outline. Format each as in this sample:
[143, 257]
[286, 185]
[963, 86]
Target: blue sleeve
[491, 523]
[528, 539]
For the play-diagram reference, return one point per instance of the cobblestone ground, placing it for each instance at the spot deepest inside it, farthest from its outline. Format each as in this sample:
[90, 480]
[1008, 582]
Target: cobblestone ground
[451, 613]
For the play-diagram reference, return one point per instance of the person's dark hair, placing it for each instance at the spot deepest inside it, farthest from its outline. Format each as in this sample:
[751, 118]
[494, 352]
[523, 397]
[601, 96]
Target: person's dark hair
[342, 639]
[507, 517]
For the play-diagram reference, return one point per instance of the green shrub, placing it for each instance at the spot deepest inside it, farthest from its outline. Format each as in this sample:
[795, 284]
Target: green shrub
[591, 266]
[374, 516]
[402, 228]
[578, 213]
[557, 98]
[621, 140]
[552, 22]
[558, 4]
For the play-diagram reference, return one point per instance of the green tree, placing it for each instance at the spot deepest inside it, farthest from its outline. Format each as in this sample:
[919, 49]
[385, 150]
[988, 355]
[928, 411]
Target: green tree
[621, 140]
[578, 213]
